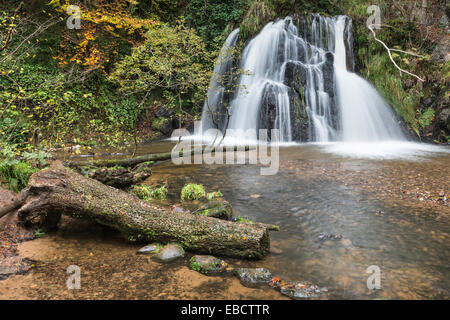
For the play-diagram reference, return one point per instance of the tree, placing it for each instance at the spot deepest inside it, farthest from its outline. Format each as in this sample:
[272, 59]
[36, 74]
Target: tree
[173, 64]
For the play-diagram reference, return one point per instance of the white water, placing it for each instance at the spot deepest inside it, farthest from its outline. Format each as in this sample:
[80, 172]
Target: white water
[365, 116]
[262, 60]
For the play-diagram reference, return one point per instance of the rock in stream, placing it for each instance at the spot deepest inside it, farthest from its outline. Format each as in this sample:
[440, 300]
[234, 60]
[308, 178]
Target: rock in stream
[207, 264]
[249, 276]
[169, 253]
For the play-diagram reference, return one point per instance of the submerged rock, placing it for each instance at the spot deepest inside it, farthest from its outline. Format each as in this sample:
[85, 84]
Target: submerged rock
[329, 236]
[253, 275]
[207, 264]
[298, 289]
[169, 253]
[151, 248]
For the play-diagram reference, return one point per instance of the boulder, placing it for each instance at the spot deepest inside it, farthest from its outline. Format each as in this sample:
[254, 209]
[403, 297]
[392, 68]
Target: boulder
[207, 264]
[441, 53]
[169, 253]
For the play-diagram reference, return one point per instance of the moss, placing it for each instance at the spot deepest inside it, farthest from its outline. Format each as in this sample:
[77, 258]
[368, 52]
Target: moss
[193, 191]
[195, 265]
[206, 268]
[147, 193]
[243, 220]
[426, 118]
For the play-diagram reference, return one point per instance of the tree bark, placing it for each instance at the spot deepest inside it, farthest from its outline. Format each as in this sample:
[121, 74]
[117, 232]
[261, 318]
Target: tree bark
[59, 190]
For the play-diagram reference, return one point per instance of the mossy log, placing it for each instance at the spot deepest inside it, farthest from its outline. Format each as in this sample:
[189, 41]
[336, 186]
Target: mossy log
[58, 190]
[131, 162]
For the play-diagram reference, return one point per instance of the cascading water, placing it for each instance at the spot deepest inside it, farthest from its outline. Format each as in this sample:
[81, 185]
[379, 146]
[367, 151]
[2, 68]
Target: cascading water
[364, 114]
[296, 80]
[213, 107]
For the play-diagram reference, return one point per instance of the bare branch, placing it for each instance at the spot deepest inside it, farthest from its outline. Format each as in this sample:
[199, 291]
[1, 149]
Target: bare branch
[390, 54]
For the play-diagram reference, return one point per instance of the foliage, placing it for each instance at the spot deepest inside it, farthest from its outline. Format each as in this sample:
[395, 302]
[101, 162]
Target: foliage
[160, 193]
[172, 63]
[39, 233]
[16, 167]
[193, 191]
[426, 118]
[211, 18]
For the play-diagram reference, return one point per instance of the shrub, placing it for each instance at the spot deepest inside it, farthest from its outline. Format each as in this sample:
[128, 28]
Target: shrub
[160, 193]
[193, 191]
[16, 174]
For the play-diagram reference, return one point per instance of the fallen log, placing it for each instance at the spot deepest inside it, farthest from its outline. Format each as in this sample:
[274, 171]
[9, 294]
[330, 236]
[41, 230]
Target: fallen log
[118, 177]
[58, 190]
[131, 162]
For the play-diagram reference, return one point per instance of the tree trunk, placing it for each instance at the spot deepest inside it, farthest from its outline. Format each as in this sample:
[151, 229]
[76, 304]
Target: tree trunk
[58, 190]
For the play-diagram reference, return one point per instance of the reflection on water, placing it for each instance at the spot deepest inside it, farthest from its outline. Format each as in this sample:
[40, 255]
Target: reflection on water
[390, 213]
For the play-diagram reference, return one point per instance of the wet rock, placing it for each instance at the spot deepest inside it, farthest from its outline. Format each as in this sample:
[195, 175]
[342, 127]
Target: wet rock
[297, 289]
[299, 212]
[268, 110]
[219, 208]
[299, 116]
[207, 264]
[14, 265]
[329, 236]
[328, 74]
[169, 253]
[151, 248]
[251, 276]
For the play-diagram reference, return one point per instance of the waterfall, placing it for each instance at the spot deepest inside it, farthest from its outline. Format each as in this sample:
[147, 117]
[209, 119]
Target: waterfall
[365, 116]
[297, 80]
[213, 109]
